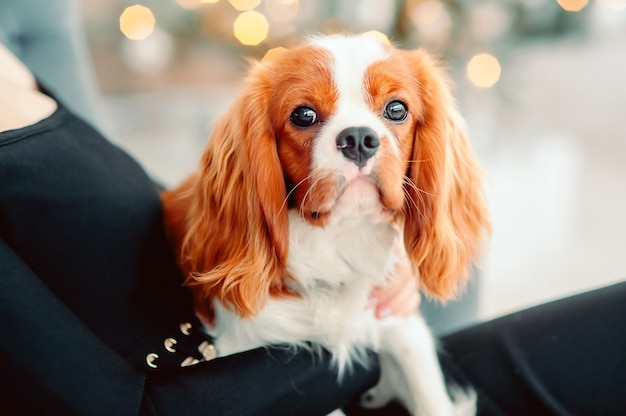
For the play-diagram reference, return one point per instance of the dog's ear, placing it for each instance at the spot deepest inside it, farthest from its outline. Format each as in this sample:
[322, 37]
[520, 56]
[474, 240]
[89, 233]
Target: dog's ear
[445, 214]
[236, 240]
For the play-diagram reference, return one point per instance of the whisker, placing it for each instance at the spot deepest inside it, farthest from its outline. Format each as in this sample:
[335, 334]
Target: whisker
[418, 192]
[290, 192]
[418, 161]
[409, 182]
[308, 193]
[410, 199]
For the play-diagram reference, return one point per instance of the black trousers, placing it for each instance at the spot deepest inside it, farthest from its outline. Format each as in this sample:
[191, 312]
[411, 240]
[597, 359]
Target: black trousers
[566, 357]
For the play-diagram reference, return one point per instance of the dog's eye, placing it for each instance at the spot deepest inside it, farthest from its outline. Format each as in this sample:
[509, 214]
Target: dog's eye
[396, 111]
[303, 117]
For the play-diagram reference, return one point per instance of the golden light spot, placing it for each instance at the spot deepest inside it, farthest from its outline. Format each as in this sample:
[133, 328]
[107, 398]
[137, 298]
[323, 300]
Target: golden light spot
[251, 28]
[281, 10]
[273, 53]
[427, 12]
[431, 20]
[209, 1]
[378, 35]
[244, 5]
[137, 22]
[483, 70]
[572, 5]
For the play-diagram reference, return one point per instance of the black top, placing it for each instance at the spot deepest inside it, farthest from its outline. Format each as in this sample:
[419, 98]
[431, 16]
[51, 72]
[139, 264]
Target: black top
[86, 220]
[91, 298]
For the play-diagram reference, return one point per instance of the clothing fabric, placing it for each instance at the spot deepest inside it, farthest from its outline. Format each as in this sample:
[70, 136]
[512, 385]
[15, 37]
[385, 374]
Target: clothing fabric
[567, 357]
[94, 319]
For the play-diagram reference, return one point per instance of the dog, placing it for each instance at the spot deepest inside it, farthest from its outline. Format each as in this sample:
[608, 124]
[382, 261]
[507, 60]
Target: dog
[335, 153]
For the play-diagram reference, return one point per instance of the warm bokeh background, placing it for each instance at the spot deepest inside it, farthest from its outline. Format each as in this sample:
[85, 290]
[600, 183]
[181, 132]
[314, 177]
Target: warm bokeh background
[546, 108]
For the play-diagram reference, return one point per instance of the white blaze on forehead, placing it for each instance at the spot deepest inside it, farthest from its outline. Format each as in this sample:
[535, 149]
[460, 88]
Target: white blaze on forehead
[351, 57]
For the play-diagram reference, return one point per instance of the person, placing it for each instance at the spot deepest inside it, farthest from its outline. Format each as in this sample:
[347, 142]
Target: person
[94, 315]
[94, 320]
[99, 289]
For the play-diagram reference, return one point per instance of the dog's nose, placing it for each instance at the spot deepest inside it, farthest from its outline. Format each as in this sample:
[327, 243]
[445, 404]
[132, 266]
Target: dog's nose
[358, 144]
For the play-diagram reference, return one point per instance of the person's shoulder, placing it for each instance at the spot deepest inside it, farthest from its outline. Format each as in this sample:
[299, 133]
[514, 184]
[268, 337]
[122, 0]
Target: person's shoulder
[14, 71]
[21, 104]
[22, 107]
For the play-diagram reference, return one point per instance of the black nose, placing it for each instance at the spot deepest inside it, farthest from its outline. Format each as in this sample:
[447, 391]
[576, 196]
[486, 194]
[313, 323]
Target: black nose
[358, 144]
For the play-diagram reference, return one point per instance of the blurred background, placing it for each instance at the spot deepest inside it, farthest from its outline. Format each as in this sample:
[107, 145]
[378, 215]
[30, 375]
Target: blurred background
[542, 84]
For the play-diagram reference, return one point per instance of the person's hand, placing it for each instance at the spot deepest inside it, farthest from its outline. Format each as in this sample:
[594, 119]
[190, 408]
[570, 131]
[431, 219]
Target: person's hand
[400, 296]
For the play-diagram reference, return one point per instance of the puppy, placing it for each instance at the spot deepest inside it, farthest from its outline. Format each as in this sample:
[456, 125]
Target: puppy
[334, 153]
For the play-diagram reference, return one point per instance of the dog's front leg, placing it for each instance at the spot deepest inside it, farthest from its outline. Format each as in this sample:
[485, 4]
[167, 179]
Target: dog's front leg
[410, 371]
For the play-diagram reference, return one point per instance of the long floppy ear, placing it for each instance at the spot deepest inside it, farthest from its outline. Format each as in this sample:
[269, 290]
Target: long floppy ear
[236, 238]
[446, 217]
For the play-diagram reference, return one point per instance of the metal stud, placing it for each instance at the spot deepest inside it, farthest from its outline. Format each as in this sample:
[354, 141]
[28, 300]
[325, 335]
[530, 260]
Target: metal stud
[185, 327]
[169, 344]
[151, 358]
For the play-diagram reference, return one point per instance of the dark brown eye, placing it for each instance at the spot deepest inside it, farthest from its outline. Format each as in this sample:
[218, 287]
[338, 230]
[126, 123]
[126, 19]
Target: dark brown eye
[303, 117]
[396, 111]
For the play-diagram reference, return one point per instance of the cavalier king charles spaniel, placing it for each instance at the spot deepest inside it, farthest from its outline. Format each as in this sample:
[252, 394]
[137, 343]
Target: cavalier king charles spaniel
[335, 153]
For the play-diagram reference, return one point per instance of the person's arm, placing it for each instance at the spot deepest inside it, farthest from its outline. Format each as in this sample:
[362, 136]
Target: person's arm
[58, 366]
[259, 382]
[50, 356]
[563, 357]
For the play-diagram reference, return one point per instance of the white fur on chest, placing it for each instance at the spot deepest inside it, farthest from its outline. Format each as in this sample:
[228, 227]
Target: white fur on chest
[334, 268]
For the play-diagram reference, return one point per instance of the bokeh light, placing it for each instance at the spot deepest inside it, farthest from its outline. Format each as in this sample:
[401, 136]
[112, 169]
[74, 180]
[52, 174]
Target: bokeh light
[431, 20]
[137, 22]
[281, 10]
[483, 70]
[244, 5]
[150, 55]
[378, 35]
[572, 5]
[273, 53]
[251, 28]
[489, 21]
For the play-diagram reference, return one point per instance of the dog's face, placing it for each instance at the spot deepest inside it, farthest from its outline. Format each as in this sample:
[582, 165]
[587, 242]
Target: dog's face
[340, 127]
[344, 113]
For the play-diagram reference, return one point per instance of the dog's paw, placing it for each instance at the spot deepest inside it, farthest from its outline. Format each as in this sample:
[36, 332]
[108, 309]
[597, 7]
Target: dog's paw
[376, 397]
[464, 400]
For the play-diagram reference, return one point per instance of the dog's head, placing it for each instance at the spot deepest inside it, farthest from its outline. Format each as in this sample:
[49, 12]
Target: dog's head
[338, 127]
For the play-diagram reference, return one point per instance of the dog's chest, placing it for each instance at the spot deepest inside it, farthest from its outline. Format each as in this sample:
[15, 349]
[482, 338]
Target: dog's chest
[338, 257]
[333, 270]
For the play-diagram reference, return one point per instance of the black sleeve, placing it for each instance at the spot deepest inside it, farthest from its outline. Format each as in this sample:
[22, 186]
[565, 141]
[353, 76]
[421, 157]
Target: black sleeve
[53, 363]
[259, 382]
[566, 357]
[49, 359]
